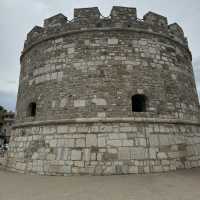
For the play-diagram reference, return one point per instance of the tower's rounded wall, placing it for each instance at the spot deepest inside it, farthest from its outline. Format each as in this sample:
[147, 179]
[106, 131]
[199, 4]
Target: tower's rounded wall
[95, 73]
[80, 77]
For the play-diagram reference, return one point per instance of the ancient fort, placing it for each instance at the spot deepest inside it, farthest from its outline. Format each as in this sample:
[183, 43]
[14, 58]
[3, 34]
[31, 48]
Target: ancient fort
[105, 95]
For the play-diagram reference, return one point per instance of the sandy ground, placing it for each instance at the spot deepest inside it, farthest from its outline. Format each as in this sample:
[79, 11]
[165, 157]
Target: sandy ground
[179, 185]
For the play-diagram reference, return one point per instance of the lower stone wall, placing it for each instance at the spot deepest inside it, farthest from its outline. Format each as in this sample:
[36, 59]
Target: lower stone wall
[104, 148]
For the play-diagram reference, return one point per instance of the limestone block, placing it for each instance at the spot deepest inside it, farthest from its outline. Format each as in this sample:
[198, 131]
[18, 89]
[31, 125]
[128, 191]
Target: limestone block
[79, 103]
[86, 154]
[53, 143]
[153, 153]
[114, 136]
[105, 129]
[69, 143]
[101, 114]
[142, 42]
[80, 142]
[67, 169]
[126, 129]
[94, 129]
[61, 143]
[165, 162]
[35, 156]
[133, 170]
[164, 139]
[99, 102]
[127, 143]
[76, 155]
[173, 154]
[66, 154]
[51, 156]
[101, 142]
[116, 143]
[162, 155]
[113, 41]
[122, 135]
[109, 170]
[49, 130]
[72, 129]
[60, 154]
[87, 42]
[141, 142]
[91, 140]
[20, 166]
[62, 129]
[124, 153]
[60, 76]
[157, 168]
[59, 40]
[80, 164]
[82, 129]
[153, 140]
[138, 153]
[71, 50]
[93, 156]
[146, 169]
[53, 104]
[112, 150]
[54, 76]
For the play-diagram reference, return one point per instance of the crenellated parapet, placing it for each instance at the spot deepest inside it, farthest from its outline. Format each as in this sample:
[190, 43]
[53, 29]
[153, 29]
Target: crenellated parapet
[123, 14]
[156, 20]
[86, 14]
[55, 21]
[88, 19]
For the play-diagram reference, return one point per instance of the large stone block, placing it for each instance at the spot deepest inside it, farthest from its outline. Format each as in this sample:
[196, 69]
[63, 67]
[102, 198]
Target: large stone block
[124, 153]
[91, 140]
[76, 155]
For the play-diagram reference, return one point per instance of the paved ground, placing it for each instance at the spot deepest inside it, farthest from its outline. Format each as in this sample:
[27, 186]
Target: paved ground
[180, 185]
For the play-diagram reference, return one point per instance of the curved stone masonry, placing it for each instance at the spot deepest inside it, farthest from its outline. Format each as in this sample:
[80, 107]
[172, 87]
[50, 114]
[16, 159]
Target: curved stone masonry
[105, 95]
[91, 18]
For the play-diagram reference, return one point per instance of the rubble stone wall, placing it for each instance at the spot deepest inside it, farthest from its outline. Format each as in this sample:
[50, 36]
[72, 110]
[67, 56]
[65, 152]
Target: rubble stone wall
[95, 74]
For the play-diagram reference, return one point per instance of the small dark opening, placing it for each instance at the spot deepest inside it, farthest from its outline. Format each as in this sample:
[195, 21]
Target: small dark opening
[32, 109]
[99, 25]
[139, 103]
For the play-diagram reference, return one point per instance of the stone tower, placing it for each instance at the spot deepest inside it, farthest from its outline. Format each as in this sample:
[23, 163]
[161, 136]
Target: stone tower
[105, 95]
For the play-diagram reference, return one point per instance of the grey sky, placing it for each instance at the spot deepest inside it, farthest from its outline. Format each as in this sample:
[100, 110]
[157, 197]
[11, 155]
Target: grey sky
[18, 17]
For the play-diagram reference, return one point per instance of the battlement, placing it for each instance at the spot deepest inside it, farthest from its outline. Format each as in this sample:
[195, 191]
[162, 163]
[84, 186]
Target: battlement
[120, 17]
[87, 14]
[55, 21]
[123, 14]
[156, 19]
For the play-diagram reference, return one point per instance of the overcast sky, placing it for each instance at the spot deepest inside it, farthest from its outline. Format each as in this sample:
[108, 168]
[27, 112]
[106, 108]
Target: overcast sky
[18, 17]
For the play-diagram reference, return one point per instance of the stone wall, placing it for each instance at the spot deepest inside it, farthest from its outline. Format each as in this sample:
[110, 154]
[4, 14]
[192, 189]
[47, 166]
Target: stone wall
[80, 77]
[96, 73]
[105, 148]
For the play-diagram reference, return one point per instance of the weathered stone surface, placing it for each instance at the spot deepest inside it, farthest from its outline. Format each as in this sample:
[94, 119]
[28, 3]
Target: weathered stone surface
[111, 96]
[76, 155]
[91, 140]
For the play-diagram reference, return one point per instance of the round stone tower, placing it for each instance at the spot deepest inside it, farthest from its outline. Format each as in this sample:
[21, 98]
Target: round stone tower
[105, 95]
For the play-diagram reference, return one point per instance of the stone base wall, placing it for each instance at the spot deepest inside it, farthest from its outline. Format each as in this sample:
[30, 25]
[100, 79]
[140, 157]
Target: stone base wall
[3, 160]
[104, 148]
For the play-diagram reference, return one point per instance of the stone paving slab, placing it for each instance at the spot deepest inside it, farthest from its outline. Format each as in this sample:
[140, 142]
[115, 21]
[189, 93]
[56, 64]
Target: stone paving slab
[180, 185]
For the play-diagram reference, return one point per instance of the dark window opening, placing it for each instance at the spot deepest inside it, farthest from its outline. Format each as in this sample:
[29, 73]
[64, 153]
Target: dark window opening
[139, 103]
[98, 25]
[32, 109]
